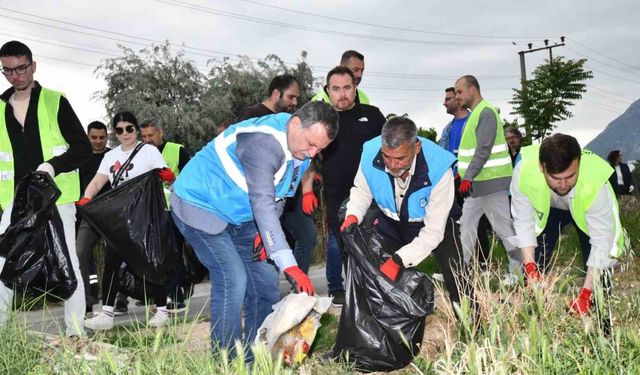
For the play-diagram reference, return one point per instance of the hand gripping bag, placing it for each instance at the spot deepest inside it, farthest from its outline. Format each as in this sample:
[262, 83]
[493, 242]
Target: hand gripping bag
[382, 321]
[134, 219]
[34, 245]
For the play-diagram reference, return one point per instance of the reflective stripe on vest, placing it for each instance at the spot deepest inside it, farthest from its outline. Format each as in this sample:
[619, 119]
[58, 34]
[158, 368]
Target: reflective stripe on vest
[438, 162]
[593, 173]
[499, 163]
[53, 144]
[171, 154]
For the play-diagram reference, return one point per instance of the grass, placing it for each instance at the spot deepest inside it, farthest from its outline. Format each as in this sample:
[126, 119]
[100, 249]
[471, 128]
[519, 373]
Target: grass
[522, 330]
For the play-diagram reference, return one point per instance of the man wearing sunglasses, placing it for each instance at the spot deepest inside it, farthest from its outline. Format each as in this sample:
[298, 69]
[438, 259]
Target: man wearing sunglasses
[39, 131]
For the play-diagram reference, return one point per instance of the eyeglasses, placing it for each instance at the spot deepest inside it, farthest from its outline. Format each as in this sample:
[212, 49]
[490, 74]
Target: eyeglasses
[20, 70]
[128, 128]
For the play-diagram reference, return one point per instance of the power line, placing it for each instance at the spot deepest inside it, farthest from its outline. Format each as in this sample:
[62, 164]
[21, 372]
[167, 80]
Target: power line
[602, 62]
[422, 88]
[613, 75]
[602, 54]
[387, 26]
[187, 5]
[61, 45]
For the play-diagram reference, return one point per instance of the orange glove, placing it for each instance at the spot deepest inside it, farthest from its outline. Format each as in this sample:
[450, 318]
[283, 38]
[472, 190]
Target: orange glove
[166, 174]
[392, 267]
[465, 188]
[531, 271]
[349, 223]
[582, 304]
[299, 280]
[83, 201]
[309, 203]
[259, 251]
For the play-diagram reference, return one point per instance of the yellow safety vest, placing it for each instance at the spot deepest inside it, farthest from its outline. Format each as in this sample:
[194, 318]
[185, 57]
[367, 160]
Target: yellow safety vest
[593, 173]
[52, 142]
[499, 163]
[171, 154]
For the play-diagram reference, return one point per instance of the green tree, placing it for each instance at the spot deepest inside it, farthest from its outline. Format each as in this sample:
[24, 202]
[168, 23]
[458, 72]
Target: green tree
[430, 133]
[545, 100]
[160, 83]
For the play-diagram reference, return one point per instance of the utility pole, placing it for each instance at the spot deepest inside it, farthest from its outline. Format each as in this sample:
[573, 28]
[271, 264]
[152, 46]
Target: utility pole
[523, 72]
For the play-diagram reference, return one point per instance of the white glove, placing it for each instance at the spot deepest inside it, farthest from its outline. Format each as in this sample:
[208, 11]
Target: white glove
[46, 167]
[631, 188]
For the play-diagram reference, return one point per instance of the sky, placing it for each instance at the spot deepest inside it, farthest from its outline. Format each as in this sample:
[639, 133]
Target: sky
[413, 49]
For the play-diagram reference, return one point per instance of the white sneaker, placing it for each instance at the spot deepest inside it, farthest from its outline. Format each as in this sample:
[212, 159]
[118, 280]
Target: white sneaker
[509, 280]
[101, 322]
[438, 276]
[161, 318]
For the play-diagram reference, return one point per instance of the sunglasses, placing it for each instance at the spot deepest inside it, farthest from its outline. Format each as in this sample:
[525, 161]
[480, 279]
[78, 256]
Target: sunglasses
[128, 128]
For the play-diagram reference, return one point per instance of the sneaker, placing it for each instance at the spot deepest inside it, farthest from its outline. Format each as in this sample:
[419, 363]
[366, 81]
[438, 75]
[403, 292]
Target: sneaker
[102, 321]
[161, 318]
[120, 309]
[438, 277]
[175, 308]
[338, 297]
[509, 280]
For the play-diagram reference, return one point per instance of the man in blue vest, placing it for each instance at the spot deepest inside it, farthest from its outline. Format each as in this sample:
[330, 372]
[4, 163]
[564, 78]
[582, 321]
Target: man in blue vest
[236, 186]
[39, 131]
[411, 180]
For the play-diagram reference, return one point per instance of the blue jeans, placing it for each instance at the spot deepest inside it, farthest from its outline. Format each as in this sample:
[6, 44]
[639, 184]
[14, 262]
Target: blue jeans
[334, 264]
[235, 281]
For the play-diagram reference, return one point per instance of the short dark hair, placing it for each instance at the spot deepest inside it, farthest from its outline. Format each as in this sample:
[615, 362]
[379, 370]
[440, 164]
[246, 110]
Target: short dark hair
[151, 121]
[349, 54]
[97, 125]
[558, 151]
[15, 48]
[281, 83]
[341, 70]
[450, 89]
[319, 112]
[471, 81]
[613, 156]
[513, 130]
[399, 130]
[125, 116]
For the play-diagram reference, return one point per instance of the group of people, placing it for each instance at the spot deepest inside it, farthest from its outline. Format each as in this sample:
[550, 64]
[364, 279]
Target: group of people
[234, 199]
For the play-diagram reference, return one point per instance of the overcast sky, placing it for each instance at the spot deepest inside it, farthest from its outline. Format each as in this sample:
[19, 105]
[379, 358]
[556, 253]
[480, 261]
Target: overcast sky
[413, 49]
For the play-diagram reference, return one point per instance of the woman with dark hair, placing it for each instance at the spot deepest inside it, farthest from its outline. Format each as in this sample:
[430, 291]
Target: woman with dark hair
[116, 168]
[621, 180]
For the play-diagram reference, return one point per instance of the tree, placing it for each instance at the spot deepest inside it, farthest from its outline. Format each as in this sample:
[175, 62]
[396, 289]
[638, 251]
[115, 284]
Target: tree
[545, 100]
[430, 133]
[157, 82]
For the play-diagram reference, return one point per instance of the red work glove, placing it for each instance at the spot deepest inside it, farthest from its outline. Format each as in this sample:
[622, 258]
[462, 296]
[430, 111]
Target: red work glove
[465, 188]
[299, 280]
[349, 223]
[531, 271]
[259, 251]
[166, 174]
[83, 201]
[309, 203]
[582, 304]
[392, 267]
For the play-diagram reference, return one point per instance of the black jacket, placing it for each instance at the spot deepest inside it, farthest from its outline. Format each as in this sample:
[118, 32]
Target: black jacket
[627, 179]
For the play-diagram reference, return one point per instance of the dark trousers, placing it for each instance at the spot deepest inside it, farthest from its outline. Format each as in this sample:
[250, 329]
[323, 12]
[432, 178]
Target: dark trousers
[86, 240]
[547, 240]
[302, 230]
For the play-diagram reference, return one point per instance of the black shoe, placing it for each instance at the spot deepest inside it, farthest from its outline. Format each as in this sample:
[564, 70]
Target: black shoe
[175, 308]
[120, 309]
[338, 297]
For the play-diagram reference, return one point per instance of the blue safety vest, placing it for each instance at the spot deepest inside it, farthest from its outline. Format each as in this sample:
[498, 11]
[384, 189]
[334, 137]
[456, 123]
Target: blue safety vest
[214, 178]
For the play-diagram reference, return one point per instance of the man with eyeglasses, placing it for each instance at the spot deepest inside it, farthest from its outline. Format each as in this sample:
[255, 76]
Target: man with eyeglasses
[39, 131]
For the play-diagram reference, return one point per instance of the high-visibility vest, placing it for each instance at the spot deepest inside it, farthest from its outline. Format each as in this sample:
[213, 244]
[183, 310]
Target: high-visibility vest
[171, 154]
[499, 163]
[52, 142]
[323, 96]
[593, 173]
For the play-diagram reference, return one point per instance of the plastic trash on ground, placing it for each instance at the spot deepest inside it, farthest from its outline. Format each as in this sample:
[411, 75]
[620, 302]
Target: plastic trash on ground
[34, 245]
[291, 328]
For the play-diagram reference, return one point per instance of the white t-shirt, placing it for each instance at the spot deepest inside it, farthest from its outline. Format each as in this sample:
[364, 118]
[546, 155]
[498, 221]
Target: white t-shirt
[145, 160]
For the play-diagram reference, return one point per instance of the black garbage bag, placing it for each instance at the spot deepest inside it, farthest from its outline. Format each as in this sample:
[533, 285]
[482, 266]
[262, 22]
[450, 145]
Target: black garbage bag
[133, 286]
[382, 322]
[195, 271]
[133, 218]
[34, 245]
